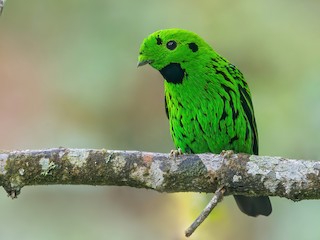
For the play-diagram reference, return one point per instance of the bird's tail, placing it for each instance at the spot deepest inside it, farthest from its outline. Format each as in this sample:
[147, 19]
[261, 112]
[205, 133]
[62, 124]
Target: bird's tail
[254, 206]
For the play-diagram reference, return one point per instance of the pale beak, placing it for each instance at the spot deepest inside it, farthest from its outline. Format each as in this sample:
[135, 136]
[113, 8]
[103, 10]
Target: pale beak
[144, 62]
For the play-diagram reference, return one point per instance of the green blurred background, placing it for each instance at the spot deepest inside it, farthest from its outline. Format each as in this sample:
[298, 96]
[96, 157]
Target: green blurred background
[69, 78]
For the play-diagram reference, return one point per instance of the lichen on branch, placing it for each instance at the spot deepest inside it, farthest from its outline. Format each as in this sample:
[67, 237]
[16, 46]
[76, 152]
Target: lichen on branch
[240, 174]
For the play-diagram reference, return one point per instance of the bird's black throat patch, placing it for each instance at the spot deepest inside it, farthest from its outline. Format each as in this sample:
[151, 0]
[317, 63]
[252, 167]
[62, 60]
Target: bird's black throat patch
[173, 73]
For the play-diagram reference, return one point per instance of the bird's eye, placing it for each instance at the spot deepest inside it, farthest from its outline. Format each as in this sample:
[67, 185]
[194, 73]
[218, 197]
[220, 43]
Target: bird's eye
[171, 45]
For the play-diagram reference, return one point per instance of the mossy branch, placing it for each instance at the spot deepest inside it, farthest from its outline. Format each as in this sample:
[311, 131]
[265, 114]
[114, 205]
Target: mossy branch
[240, 174]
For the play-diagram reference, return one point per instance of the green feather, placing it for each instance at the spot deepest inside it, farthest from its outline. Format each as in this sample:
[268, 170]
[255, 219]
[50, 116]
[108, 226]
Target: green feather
[208, 101]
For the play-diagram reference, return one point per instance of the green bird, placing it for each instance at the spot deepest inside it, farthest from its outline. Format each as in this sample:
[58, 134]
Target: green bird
[207, 100]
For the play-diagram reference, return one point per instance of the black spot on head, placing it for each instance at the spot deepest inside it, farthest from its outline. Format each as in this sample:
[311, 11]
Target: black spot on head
[159, 40]
[193, 47]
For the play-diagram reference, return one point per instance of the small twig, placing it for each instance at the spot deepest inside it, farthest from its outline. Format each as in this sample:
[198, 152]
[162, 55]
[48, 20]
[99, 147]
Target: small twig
[1, 6]
[217, 197]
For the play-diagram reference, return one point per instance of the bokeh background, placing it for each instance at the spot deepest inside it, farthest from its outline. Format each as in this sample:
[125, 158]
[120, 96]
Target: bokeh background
[68, 77]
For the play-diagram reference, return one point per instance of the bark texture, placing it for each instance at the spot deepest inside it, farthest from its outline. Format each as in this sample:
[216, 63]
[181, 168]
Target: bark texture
[239, 174]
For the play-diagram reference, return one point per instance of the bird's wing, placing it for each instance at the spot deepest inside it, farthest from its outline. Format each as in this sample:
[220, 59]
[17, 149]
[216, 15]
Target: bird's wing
[248, 109]
[246, 103]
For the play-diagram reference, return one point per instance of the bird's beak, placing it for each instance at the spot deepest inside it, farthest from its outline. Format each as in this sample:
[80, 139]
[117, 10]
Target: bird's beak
[143, 62]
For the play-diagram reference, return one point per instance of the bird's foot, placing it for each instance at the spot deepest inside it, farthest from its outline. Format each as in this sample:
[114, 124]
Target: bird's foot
[175, 153]
[227, 153]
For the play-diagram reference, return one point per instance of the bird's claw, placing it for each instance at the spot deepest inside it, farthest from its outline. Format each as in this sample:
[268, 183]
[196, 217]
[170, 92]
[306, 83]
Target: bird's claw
[174, 153]
[227, 153]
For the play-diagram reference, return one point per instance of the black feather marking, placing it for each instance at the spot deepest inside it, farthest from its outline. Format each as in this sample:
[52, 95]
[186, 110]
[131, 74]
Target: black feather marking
[215, 60]
[247, 134]
[173, 133]
[223, 74]
[159, 40]
[166, 107]
[181, 124]
[235, 113]
[235, 138]
[180, 105]
[201, 129]
[218, 60]
[189, 149]
[224, 115]
[173, 73]
[194, 47]
[236, 73]
[228, 90]
[248, 110]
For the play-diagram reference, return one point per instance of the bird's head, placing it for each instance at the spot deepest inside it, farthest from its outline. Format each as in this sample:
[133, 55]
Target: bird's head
[170, 50]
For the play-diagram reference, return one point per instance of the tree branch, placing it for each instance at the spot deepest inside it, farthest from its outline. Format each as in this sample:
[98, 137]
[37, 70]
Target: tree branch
[240, 174]
[1, 6]
[217, 197]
